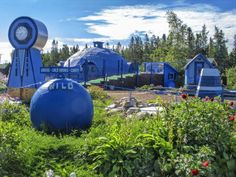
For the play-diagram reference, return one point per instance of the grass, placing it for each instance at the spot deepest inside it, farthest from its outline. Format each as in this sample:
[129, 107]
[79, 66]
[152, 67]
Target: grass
[116, 146]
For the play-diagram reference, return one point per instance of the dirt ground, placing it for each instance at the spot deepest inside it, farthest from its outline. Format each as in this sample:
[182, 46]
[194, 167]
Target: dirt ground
[141, 96]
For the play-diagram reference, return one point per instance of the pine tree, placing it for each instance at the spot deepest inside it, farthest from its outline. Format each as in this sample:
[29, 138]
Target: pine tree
[204, 40]
[54, 55]
[118, 48]
[190, 43]
[146, 50]
[221, 53]
[198, 43]
[211, 49]
[107, 45]
[64, 52]
[232, 56]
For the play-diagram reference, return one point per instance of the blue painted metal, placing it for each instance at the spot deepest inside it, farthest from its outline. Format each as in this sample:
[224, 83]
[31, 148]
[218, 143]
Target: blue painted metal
[38, 33]
[95, 56]
[61, 104]
[209, 83]
[192, 69]
[26, 61]
[60, 72]
[197, 70]
[170, 74]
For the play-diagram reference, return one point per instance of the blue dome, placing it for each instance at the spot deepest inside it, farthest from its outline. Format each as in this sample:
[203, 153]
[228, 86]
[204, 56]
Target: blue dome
[61, 105]
[100, 61]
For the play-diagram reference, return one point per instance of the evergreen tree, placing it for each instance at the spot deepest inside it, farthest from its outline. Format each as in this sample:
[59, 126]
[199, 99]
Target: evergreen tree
[221, 53]
[204, 40]
[232, 56]
[118, 48]
[198, 43]
[107, 45]
[190, 43]
[54, 56]
[211, 49]
[74, 49]
[163, 39]
[146, 50]
[64, 52]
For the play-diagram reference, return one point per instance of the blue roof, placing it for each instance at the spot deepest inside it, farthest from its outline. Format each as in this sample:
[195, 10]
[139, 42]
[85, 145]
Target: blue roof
[165, 63]
[198, 56]
[99, 56]
[168, 64]
[95, 55]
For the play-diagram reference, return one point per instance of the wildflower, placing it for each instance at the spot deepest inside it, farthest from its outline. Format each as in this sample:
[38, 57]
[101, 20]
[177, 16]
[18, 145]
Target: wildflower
[212, 99]
[49, 173]
[231, 118]
[206, 99]
[185, 139]
[184, 96]
[194, 172]
[231, 103]
[73, 174]
[206, 163]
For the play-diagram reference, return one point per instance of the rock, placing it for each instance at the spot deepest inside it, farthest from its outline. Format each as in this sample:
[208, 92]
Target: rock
[151, 105]
[130, 116]
[132, 110]
[112, 106]
[116, 110]
[133, 102]
[151, 110]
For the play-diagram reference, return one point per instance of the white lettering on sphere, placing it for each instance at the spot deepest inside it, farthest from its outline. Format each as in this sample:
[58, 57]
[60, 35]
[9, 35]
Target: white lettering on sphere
[61, 86]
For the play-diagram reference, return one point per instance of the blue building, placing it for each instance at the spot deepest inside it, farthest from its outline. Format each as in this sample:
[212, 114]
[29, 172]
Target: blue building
[169, 73]
[98, 62]
[193, 69]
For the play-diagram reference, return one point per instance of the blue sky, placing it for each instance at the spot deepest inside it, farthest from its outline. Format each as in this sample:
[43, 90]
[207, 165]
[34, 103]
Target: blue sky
[83, 21]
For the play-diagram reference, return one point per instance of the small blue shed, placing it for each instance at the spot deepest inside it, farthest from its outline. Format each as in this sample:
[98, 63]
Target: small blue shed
[170, 74]
[193, 69]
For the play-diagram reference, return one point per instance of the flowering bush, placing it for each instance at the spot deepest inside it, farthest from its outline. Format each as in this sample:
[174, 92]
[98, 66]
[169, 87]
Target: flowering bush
[192, 138]
[197, 123]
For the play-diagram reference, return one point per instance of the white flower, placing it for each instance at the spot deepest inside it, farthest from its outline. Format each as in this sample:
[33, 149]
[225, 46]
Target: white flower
[73, 174]
[49, 173]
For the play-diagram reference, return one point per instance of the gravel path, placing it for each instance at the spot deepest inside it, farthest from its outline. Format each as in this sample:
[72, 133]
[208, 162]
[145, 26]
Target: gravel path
[140, 96]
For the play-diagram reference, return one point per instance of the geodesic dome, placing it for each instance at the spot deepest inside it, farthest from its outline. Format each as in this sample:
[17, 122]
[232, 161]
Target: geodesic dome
[100, 61]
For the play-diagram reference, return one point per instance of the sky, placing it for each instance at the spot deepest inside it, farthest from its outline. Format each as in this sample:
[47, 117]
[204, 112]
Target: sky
[84, 21]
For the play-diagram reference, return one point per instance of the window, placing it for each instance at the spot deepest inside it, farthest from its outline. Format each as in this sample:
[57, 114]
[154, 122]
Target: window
[171, 76]
[92, 69]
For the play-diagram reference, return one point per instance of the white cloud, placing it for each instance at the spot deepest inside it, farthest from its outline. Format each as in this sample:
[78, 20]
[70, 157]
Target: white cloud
[6, 49]
[5, 52]
[121, 22]
[118, 23]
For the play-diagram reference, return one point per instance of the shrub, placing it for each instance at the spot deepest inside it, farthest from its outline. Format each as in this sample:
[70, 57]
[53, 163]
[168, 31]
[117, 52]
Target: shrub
[231, 75]
[195, 123]
[97, 93]
[177, 142]
[16, 113]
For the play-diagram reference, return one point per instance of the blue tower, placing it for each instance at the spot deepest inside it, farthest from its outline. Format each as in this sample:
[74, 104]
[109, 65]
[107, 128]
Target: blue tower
[28, 37]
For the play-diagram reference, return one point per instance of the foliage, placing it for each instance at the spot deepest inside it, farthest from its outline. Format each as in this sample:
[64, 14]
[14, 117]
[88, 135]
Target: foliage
[97, 93]
[177, 142]
[231, 75]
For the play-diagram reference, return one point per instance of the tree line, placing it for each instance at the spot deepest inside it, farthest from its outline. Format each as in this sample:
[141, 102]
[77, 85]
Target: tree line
[180, 44]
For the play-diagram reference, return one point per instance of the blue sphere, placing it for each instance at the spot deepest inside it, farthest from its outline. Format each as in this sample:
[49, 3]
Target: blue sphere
[61, 105]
